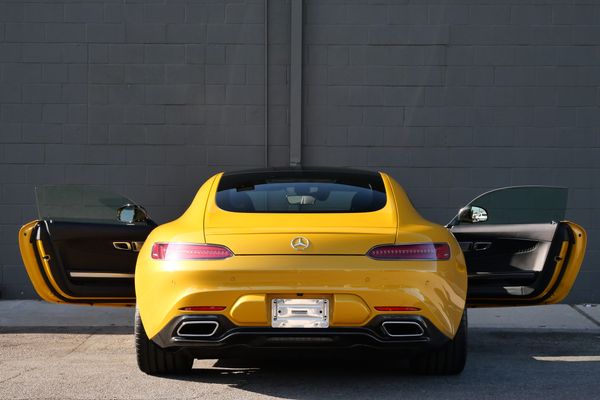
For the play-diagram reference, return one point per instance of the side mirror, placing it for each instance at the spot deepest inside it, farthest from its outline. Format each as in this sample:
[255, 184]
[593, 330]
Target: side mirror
[131, 213]
[472, 215]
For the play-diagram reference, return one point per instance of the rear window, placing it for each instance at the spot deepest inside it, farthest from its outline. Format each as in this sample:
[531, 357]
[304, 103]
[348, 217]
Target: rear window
[301, 191]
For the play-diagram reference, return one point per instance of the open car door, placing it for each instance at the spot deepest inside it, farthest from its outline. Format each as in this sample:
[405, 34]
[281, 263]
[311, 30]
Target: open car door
[84, 246]
[518, 248]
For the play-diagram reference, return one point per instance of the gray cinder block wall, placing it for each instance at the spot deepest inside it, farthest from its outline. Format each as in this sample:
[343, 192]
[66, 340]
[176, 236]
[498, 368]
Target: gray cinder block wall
[151, 97]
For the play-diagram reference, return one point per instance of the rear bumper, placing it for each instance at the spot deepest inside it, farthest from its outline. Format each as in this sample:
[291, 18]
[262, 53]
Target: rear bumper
[246, 285]
[229, 339]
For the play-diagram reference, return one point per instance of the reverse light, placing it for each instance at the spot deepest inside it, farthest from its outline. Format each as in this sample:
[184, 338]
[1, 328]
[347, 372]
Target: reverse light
[188, 251]
[417, 251]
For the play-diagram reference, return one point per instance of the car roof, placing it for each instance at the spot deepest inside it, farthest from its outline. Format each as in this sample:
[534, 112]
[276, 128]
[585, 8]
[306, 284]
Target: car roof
[300, 169]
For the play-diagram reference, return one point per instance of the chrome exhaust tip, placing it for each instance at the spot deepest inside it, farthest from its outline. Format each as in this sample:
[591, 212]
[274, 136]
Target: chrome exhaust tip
[197, 328]
[402, 329]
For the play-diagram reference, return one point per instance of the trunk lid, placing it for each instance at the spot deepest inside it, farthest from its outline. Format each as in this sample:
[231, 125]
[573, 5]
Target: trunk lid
[272, 234]
[343, 219]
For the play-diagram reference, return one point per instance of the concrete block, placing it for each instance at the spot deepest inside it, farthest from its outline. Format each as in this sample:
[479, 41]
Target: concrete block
[10, 52]
[99, 73]
[24, 32]
[234, 34]
[539, 14]
[407, 14]
[21, 112]
[244, 94]
[18, 153]
[42, 53]
[489, 15]
[167, 13]
[41, 93]
[205, 12]
[69, 33]
[126, 94]
[141, 73]
[164, 54]
[188, 33]
[244, 13]
[86, 12]
[55, 73]
[42, 133]
[229, 74]
[126, 54]
[146, 33]
[184, 114]
[97, 54]
[10, 93]
[105, 33]
[457, 14]
[44, 12]
[409, 35]
[55, 113]
[215, 54]
[174, 94]
[247, 54]
[185, 73]
[106, 114]
[145, 114]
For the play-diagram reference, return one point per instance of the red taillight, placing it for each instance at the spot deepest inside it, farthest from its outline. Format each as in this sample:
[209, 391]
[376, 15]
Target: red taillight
[185, 251]
[203, 308]
[417, 251]
[396, 308]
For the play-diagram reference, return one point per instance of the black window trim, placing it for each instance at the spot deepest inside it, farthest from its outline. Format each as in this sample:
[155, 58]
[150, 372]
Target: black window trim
[281, 171]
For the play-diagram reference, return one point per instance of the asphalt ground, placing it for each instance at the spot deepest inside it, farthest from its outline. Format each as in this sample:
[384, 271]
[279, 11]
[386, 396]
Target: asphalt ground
[544, 353]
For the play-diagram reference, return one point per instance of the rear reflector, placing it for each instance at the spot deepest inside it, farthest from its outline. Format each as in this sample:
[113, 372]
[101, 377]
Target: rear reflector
[185, 251]
[396, 308]
[203, 308]
[417, 251]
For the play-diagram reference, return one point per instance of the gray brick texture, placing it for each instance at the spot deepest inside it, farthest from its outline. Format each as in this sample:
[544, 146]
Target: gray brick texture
[454, 98]
[150, 98]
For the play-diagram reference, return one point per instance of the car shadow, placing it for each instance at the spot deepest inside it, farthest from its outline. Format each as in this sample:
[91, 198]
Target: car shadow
[499, 361]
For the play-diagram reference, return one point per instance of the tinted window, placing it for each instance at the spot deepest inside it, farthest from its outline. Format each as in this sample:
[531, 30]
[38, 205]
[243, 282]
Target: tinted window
[79, 202]
[301, 191]
[523, 205]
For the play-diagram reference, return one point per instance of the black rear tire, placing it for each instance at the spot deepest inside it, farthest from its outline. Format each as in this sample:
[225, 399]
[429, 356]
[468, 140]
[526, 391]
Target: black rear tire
[153, 359]
[450, 359]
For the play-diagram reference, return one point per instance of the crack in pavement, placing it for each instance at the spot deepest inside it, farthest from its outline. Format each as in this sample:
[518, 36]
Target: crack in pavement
[586, 315]
[74, 349]
[64, 356]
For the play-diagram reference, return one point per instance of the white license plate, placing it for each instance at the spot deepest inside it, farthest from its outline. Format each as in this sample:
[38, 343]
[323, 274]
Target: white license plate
[300, 313]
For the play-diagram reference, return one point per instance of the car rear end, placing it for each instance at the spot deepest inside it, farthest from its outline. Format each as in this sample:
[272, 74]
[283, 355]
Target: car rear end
[300, 258]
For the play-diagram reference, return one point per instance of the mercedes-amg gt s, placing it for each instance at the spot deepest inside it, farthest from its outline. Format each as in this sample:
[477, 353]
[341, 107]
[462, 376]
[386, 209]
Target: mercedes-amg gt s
[301, 259]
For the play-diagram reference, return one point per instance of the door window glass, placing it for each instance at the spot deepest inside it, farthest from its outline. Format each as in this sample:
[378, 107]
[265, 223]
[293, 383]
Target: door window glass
[519, 205]
[79, 202]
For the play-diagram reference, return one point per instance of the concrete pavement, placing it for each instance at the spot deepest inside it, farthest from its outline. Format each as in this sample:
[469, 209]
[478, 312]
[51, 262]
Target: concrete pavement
[70, 352]
[561, 317]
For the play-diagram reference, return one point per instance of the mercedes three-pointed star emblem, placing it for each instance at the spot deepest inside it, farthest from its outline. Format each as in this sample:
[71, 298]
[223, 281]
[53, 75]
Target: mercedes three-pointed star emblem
[300, 243]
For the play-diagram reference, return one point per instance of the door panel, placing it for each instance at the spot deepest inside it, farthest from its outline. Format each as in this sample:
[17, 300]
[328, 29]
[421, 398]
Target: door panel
[505, 250]
[78, 262]
[516, 251]
[80, 251]
[85, 261]
[515, 260]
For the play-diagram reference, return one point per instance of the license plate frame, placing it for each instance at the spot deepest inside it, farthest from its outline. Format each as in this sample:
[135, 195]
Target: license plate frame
[305, 313]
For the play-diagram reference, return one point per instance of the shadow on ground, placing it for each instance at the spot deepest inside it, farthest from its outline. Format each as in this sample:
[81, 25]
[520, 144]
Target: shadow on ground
[501, 365]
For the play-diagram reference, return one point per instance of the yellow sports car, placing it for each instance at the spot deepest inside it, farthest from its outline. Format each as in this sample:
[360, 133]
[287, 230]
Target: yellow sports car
[301, 259]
